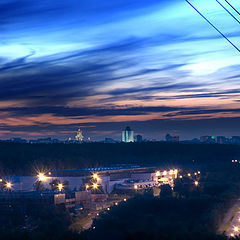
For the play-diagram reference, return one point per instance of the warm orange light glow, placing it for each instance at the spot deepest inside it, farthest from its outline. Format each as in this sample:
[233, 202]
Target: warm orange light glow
[199, 172]
[180, 176]
[135, 187]
[158, 174]
[189, 174]
[87, 187]
[95, 186]
[175, 171]
[42, 177]
[8, 185]
[165, 173]
[236, 229]
[1, 180]
[171, 172]
[196, 183]
[95, 176]
[60, 187]
[116, 203]
[124, 199]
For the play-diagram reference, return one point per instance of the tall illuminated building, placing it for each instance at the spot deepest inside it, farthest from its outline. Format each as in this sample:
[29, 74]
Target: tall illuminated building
[127, 135]
[79, 137]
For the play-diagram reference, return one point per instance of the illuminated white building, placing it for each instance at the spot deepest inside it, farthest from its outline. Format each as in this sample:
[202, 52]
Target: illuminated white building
[127, 135]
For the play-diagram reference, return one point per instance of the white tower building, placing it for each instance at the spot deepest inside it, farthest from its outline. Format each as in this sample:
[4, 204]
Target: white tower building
[127, 135]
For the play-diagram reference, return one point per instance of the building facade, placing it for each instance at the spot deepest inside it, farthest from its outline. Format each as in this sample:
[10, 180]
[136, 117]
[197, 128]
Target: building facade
[127, 135]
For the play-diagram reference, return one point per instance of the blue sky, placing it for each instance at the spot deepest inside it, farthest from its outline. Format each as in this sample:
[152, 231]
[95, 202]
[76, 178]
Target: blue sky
[101, 65]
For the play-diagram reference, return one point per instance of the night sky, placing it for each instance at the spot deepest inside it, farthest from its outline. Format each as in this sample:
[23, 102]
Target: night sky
[154, 65]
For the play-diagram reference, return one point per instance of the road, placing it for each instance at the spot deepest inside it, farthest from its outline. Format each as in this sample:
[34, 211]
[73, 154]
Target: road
[231, 223]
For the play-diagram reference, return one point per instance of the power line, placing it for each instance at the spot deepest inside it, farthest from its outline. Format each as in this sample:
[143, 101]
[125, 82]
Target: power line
[213, 26]
[228, 11]
[232, 7]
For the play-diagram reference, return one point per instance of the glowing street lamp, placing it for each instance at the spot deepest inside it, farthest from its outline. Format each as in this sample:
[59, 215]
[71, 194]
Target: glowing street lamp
[171, 172]
[135, 187]
[158, 174]
[189, 174]
[95, 186]
[124, 199]
[95, 176]
[87, 187]
[196, 183]
[8, 185]
[198, 172]
[42, 177]
[236, 229]
[164, 173]
[60, 187]
[180, 176]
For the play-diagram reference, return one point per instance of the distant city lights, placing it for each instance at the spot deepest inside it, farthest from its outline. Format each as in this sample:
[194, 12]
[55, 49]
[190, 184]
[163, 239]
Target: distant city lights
[95, 186]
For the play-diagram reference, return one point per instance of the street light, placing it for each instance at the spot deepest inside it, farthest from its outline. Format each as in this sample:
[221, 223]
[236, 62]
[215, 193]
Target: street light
[87, 187]
[60, 187]
[189, 174]
[158, 174]
[95, 186]
[8, 185]
[135, 187]
[236, 229]
[164, 173]
[196, 183]
[95, 176]
[42, 177]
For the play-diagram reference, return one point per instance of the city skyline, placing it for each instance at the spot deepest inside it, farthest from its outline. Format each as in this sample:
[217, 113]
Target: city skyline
[156, 66]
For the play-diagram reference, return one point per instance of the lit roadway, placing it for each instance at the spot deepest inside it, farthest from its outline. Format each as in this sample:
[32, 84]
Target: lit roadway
[231, 223]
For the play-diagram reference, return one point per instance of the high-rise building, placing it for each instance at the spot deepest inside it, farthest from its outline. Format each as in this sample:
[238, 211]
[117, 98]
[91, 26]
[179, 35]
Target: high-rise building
[139, 138]
[127, 135]
[222, 140]
[235, 140]
[170, 138]
[207, 139]
[79, 137]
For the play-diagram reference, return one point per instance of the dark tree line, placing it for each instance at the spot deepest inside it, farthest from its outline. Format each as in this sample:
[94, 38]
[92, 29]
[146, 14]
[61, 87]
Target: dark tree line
[18, 158]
